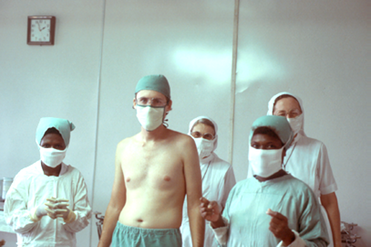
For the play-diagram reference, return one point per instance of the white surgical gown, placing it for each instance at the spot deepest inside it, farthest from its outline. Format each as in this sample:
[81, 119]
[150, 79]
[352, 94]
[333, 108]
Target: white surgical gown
[30, 189]
[217, 181]
[249, 201]
[307, 160]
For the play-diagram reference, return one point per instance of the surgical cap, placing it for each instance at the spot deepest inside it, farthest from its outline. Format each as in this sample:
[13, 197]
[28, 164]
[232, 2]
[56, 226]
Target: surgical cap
[62, 125]
[272, 102]
[157, 83]
[192, 123]
[278, 124]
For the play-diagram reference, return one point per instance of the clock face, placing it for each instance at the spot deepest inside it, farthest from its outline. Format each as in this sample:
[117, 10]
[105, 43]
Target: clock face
[40, 30]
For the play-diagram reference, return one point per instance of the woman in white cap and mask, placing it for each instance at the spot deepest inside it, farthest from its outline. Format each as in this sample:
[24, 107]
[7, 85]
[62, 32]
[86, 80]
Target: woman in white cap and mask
[307, 159]
[47, 202]
[217, 175]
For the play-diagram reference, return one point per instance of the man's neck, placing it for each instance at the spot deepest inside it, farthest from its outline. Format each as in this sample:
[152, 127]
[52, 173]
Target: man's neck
[278, 174]
[50, 171]
[156, 134]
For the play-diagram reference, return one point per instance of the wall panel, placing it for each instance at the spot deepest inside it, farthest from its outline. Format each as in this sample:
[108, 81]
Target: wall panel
[58, 81]
[315, 49]
[190, 43]
[319, 52]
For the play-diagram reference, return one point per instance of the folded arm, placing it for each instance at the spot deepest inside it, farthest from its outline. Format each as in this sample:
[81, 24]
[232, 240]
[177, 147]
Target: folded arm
[80, 208]
[16, 212]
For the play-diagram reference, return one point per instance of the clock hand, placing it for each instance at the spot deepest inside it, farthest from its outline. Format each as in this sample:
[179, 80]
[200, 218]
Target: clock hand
[42, 28]
[38, 25]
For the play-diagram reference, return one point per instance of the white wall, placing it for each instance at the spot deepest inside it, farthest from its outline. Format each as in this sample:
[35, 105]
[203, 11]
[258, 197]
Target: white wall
[57, 81]
[319, 52]
[316, 49]
[189, 43]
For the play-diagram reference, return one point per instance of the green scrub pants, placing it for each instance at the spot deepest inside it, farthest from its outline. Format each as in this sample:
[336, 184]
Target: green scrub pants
[129, 236]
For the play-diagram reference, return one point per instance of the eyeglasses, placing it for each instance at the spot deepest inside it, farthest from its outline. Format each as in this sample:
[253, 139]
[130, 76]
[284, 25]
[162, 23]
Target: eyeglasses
[156, 102]
[206, 136]
[290, 114]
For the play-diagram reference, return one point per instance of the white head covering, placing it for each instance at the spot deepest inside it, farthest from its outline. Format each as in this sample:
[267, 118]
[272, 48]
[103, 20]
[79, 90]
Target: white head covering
[64, 127]
[191, 125]
[272, 102]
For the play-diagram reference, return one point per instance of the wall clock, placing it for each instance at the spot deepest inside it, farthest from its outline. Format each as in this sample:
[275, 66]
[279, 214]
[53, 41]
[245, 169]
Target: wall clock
[40, 30]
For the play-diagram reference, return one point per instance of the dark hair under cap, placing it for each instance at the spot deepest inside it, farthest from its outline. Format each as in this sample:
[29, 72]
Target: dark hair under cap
[270, 131]
[278, 124]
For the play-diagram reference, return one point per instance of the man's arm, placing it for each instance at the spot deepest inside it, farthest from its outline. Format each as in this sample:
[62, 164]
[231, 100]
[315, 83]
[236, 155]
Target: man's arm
[16, 207]
[81, 207]
[117, 202]
[193, 182]
[330, 203]
[16, 213]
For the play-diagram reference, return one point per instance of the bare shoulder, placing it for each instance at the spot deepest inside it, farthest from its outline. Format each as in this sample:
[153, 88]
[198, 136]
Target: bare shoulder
[178, 138]
[126, 142]
[185, 146]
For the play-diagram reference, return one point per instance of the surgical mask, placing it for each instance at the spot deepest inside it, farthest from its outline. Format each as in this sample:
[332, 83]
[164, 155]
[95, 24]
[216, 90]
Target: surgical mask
[52, 157]
[265, 162]
[296, 123]
[150, 117]
[204, 147]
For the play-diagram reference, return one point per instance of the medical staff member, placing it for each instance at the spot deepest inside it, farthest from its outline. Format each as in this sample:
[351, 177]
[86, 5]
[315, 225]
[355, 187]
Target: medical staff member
[307, 160]
[47, 203]
[154, 170]
[217, 174]
[272, 208]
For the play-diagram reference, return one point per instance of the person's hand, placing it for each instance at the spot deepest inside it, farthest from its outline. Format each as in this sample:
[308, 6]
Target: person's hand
[38, 212]
[57, 207]
[279, 227]
[210, 211]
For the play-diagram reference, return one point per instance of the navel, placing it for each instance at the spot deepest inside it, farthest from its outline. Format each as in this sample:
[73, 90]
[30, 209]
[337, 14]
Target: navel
[139, 220]
[167, 178]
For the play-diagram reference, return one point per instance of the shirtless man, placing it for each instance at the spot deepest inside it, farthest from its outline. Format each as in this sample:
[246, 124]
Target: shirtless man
[154, 170]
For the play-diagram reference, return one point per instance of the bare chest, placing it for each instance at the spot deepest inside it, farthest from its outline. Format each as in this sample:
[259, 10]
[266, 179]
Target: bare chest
[158, 168]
